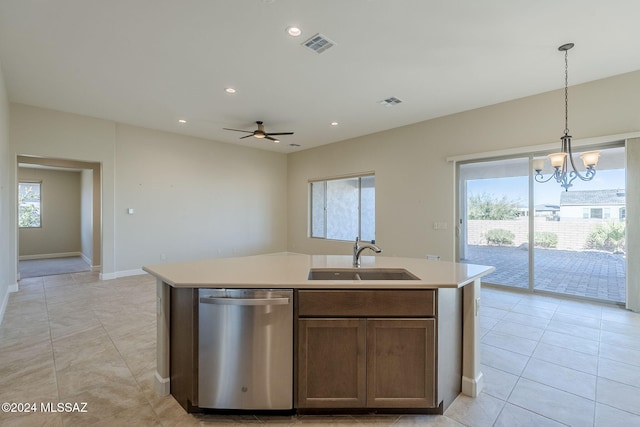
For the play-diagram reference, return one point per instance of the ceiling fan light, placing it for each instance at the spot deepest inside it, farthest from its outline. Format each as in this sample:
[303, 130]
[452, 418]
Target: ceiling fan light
[590, 158]
[557, 159]
[259, 135]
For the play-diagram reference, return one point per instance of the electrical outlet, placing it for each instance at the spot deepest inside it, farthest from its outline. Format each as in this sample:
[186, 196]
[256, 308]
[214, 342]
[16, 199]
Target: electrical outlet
[440, 225]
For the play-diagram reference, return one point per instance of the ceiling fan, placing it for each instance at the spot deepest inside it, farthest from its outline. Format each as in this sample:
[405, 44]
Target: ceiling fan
[260, 133]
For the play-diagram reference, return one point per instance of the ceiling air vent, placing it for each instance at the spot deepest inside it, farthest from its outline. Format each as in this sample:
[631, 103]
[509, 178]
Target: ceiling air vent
[390, 102]
[318, 43]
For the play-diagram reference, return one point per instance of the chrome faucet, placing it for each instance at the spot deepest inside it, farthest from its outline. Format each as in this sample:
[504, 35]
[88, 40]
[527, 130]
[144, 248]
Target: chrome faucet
[358, 248]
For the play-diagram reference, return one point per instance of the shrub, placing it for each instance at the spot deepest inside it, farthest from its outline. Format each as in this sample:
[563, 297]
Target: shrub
[499, 236]
[487, 207]
[545, 239]
[609, 236]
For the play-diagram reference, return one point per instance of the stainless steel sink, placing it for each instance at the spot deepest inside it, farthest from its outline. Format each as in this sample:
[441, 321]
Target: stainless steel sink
[360, 274]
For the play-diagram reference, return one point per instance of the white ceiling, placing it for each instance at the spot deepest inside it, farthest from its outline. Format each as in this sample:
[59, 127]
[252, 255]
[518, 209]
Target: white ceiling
[152, 62]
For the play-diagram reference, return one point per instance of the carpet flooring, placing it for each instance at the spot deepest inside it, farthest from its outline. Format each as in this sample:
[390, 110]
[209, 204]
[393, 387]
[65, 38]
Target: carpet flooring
[52, 266]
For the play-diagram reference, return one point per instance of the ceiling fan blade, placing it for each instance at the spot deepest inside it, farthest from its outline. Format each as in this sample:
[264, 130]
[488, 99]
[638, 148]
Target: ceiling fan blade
[239, 130]
[279, 133]
[248, 136]
[272, 139]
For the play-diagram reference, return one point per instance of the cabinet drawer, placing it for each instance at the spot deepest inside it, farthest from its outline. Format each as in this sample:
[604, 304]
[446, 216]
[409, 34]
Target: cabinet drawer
[366, 303]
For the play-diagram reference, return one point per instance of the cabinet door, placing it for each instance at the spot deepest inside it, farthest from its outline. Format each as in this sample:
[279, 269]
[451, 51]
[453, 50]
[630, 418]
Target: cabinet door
[331, 363]
[401, 368]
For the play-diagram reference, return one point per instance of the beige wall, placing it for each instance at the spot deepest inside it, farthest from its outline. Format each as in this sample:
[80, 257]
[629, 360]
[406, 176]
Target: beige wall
[59, 233]
[194, 198]
[415, 182]
[53, 134]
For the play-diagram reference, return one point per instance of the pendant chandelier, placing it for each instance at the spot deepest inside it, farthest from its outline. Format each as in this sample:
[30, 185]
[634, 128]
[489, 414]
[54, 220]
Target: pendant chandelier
[560, 161]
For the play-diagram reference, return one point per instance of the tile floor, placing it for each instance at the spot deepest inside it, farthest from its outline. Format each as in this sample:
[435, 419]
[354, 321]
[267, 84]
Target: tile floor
[547, 361]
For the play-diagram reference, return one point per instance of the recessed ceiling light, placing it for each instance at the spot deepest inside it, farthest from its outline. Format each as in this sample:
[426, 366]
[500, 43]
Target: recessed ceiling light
[229, 90]
[294, 145]
[277, 141]
[182, 121]
[334, 123]
[294, 31]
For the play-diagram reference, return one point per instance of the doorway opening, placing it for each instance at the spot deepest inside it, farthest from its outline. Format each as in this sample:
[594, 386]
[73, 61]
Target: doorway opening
[541, 237]
[66, 237]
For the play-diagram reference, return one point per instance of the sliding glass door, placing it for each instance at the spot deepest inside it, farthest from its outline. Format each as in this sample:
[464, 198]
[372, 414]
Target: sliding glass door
[541, 237]
[579, 234]
[494, 218]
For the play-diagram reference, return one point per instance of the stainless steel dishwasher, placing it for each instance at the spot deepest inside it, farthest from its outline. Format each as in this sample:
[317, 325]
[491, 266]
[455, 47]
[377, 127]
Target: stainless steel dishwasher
[245, 353]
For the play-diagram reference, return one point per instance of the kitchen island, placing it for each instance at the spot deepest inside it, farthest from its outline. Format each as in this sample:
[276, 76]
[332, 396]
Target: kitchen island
[441, 302]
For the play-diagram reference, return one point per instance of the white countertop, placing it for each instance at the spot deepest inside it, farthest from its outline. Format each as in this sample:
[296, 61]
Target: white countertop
[290, 270]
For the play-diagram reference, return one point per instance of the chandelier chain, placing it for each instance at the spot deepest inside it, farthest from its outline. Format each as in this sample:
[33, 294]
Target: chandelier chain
[566, 92]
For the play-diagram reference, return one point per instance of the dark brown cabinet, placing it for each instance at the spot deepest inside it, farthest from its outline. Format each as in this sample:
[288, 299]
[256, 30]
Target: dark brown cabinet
[401, 363]
[366, 362]
[332, 368]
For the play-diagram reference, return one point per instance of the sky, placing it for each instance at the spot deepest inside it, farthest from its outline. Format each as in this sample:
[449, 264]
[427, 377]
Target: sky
[517, 188]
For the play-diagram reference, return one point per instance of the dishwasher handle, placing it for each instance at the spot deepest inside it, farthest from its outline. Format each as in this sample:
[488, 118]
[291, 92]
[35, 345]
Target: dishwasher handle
[244, 301]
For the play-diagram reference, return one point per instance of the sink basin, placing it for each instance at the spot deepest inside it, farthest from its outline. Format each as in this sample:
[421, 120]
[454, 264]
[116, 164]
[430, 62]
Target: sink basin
[386, 274]
[360, 274]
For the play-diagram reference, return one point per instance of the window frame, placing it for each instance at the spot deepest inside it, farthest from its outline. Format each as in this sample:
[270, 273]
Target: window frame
[596, 213]
[311, 182]
[39, 184]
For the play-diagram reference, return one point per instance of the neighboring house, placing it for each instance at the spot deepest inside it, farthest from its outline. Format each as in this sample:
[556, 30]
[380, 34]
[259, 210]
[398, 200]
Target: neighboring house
[548, 211]
[594, 204]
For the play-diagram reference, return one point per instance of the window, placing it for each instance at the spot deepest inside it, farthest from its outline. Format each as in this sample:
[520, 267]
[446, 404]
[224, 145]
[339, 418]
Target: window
[596, 213]
[342, 209]
[29, 212]
[623, 213]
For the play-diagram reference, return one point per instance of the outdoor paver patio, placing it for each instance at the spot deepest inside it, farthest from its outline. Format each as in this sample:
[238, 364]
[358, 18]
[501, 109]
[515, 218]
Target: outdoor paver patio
[592, 274]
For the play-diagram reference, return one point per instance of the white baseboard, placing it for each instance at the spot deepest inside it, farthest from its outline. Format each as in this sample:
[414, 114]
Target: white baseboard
[162, 385]
[123, 273]
[86, 258]
[472, 386]
[4, 299]
[56, 255]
